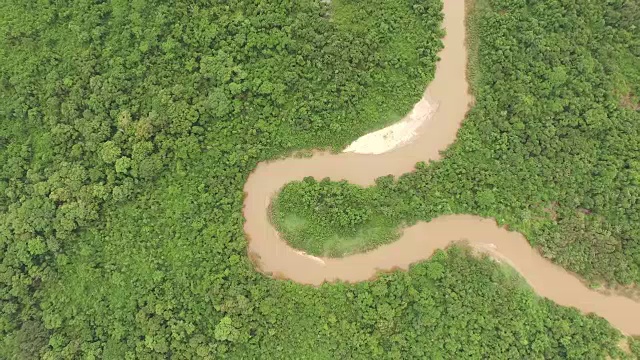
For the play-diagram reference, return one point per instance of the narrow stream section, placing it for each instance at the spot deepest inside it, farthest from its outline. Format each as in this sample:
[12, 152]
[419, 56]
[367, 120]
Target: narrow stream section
[449, 94]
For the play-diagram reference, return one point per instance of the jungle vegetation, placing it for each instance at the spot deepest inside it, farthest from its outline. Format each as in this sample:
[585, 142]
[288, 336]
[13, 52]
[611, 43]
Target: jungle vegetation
[128, 128]
[334, 219]
[551, 147]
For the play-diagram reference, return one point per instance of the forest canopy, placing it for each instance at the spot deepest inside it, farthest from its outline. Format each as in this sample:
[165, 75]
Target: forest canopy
[551, 147]
[128, 128]
[335, 219]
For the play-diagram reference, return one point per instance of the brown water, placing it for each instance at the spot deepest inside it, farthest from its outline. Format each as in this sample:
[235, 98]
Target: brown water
[449, 91]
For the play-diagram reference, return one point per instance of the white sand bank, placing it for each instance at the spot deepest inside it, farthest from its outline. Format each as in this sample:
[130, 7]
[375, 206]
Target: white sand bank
[396, 135]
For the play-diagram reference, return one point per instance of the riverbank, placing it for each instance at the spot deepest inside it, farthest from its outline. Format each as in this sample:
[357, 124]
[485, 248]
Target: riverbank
[450, 90]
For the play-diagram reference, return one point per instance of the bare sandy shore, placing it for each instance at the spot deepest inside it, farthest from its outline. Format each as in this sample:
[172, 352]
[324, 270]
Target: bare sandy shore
[396, 135]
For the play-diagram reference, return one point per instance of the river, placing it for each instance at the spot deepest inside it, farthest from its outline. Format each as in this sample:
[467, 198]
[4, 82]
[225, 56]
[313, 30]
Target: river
[449, 92]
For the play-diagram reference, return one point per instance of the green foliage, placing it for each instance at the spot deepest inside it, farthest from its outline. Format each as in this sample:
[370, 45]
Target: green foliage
[127, 130]
[552, 132]
[333, 219]
[452, 306]
[635, 347]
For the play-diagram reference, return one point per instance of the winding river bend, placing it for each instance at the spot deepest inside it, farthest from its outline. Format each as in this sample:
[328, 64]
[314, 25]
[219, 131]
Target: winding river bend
[449, 92]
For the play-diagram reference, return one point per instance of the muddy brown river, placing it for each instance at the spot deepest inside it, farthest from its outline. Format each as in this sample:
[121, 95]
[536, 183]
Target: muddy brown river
[449, 92]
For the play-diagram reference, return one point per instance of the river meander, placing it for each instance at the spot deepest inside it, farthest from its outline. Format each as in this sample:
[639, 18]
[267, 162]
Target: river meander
[449, 92]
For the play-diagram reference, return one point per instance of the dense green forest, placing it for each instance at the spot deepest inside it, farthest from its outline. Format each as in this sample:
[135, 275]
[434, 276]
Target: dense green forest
[328, 218]
[551, 147]
[128, 128]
